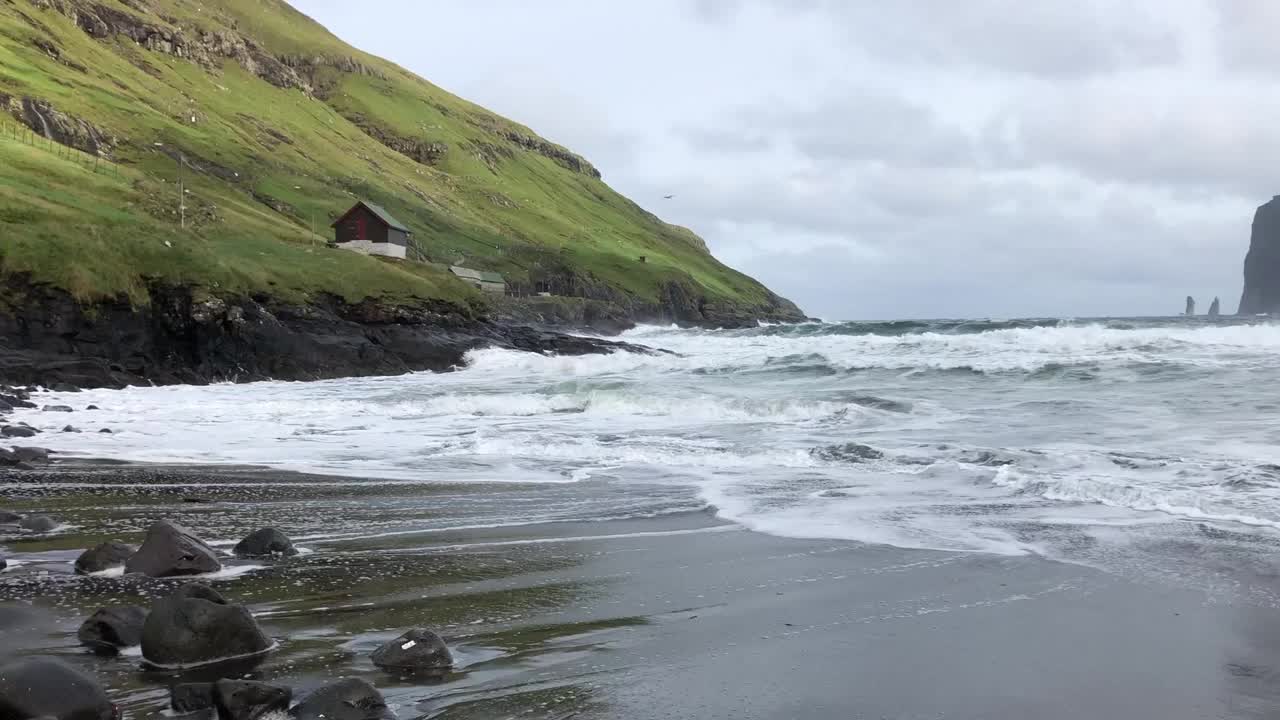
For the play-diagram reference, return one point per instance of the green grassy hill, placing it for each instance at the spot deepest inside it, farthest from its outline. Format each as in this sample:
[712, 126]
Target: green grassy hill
[281, 126]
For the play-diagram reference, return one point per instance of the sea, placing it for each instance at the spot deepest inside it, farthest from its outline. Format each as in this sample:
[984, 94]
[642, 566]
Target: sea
[1143, 446]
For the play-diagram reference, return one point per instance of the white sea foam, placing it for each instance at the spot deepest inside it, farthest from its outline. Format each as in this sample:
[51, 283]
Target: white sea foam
[1159, 424]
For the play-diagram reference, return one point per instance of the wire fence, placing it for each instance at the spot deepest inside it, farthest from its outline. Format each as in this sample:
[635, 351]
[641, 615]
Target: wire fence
[87, 160]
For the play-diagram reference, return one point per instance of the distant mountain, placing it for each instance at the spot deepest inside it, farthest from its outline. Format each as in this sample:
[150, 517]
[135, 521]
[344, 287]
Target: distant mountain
[277, 127]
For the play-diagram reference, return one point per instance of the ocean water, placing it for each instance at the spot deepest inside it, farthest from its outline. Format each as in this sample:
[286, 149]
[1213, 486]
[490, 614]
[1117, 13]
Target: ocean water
[1110, 442]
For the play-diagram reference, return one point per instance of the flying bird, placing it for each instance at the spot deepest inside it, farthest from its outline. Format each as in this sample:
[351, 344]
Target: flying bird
[667, 197]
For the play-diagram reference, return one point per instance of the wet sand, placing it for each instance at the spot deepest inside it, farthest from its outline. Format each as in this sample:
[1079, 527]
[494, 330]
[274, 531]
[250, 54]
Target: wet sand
[674, 616]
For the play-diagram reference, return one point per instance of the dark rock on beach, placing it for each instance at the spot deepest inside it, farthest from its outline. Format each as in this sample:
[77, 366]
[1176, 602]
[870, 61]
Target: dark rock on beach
[70, 429]
[417, 651]
[191, 697]
[108, 431]
[44, 687]
[104, 557]
[38, 523]
[19, 431]
[246, 700]
[33, 455]
[195, 626]
[267, 542]
[111, 629]
[57, 408]
[171, 550]
[349, 699]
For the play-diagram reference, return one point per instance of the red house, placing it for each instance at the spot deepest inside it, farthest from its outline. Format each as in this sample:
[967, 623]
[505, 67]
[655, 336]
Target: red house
[369, 229]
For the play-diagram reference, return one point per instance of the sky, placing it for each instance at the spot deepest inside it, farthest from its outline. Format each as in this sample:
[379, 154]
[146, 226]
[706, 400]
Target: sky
[920, 158]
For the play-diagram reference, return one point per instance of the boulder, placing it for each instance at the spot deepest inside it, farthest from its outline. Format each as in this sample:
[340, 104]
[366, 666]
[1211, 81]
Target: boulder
[46, 687]
[104, 557]
[70, 429]
[110, 629]
[9, 518]
[246, 700]
[38, 523]
[197, 626]
[13, 431]
[57, 408]
[31, 454]
[191, 697]
[92, 407]
[349, 699]
[417, 651]
[63, 387]
[3, 563]
[105, 430]
[171, 550]
[266, 542]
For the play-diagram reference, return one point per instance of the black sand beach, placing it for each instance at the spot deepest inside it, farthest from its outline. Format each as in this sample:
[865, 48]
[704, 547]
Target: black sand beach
[679, 616]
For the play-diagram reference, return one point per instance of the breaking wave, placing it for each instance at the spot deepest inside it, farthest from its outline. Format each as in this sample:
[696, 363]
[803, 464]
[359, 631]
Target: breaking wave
[979, 436]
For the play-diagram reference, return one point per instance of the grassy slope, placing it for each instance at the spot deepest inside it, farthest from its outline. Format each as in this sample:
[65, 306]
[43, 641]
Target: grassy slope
[487, 202]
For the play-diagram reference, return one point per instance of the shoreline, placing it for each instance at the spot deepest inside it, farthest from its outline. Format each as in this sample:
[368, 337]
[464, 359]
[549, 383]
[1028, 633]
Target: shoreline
[674, 616]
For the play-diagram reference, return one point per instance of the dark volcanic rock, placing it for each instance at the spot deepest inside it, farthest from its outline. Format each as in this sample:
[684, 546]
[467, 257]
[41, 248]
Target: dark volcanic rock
[848, 452]
[3, 563]
[191, 697]
[38, 523]
[70, 429]
[417, 651]
[265, 543]
[104, 557]
[195, 625]
[105, 430]
[171, 550]
[1262, 264]
[245, 700]
[18, 431]
[45, 687]
[110, 629]
[176, 338]
[31, 455]
[349, 699]
[57, 408]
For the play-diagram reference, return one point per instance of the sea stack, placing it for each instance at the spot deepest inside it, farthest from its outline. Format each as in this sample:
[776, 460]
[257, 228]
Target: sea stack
[1215, 308]
[1262, 264]
[1191, 306]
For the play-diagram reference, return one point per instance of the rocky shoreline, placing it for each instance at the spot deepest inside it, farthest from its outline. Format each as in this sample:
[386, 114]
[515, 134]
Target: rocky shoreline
[196, 627]
[50, 339]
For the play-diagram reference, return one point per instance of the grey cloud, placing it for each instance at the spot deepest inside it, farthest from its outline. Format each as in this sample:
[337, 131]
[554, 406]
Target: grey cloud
[1050, 38]
[1221, 141]
[1246, 34]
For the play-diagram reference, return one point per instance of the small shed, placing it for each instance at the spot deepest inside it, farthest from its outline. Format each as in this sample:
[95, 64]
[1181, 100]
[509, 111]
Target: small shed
[481, 279]
[369, 229]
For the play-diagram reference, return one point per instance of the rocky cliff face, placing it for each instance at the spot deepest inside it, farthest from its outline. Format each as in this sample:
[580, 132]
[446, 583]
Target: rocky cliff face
[1262, 264]
[178, 338]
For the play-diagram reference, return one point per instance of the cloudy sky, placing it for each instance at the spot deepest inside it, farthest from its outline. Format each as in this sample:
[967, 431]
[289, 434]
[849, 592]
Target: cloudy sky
[920, 158]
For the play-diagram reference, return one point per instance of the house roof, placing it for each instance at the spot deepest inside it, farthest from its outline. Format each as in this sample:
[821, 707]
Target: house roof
[481, 275]
[377, 210]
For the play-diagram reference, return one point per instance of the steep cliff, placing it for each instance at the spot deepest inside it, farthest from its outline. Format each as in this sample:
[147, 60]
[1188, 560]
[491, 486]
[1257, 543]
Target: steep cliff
[1262, 264]
[275, 126]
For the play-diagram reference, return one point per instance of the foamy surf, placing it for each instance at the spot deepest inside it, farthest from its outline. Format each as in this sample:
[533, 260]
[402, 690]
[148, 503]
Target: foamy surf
[971, 436]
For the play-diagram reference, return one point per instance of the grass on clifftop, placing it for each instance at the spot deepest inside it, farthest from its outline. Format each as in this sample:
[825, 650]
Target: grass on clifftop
[270, 164]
